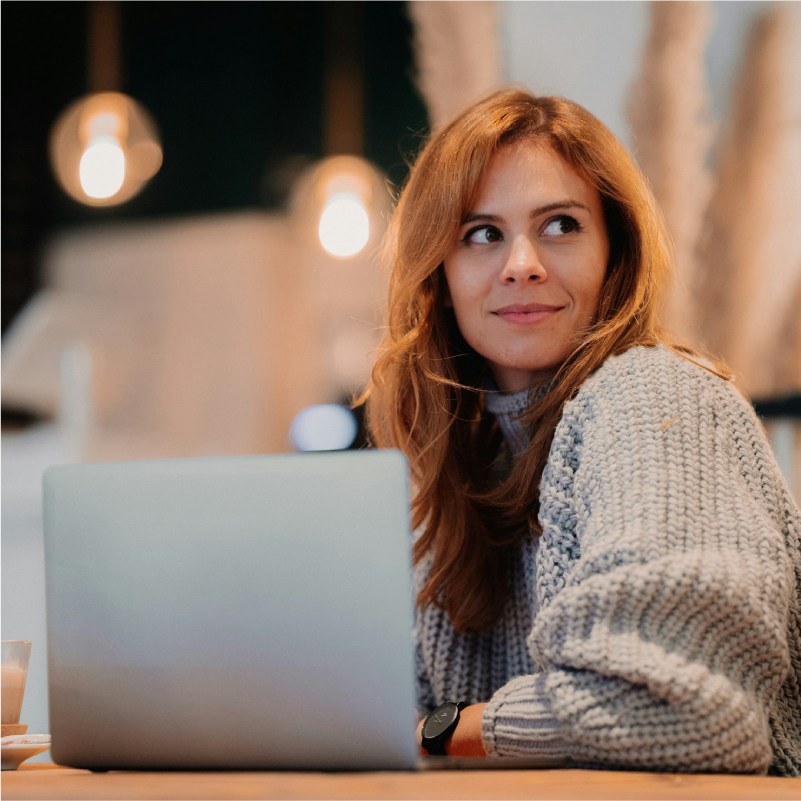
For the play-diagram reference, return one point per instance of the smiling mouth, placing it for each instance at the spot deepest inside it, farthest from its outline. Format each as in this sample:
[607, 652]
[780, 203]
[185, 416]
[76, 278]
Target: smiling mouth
[527, 314]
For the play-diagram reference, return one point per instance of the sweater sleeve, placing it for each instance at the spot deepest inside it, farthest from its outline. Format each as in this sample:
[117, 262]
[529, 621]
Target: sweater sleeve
[425, 694]
[423, 689]
[664, 582]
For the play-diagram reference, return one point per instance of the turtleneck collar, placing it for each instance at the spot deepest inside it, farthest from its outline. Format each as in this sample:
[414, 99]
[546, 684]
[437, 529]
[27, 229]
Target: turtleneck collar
[508, 408]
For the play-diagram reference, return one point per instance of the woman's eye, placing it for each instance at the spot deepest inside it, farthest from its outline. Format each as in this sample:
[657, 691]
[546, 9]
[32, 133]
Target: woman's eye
[483, 235]
[560, 226]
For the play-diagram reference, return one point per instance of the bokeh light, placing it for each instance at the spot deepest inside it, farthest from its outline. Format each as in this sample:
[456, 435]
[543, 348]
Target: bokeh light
[102, 167]
[344, 225]
[104, 148]
[340, 206]
[326, 427]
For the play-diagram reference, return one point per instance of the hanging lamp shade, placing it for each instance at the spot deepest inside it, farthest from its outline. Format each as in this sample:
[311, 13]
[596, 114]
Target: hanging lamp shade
[341, 203]
[104, 148]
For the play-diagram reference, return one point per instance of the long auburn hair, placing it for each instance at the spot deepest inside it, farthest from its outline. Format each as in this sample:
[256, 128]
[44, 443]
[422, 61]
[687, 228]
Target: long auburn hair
[426, 392]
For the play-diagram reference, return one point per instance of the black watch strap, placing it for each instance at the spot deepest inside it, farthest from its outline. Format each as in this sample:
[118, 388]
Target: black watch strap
[439, 725]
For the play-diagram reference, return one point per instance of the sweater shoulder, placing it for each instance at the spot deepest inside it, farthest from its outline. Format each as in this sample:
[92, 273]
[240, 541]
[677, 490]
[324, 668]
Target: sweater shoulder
[651, 397]
[659, 380]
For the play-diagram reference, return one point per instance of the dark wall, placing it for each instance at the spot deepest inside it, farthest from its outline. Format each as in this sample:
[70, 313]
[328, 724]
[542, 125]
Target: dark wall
[43, 69]
[235, 87]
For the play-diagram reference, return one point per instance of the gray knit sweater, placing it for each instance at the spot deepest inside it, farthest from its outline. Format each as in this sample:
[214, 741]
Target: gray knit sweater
[656, 624]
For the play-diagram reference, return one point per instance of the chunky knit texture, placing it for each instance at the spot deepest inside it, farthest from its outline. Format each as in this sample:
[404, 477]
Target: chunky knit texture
[656, 622]
[508, 408]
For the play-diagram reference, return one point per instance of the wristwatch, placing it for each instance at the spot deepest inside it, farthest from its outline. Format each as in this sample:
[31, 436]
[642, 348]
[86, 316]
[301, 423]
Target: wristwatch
[439, 725]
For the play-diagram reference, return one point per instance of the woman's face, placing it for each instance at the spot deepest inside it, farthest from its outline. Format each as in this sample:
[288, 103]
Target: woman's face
[525, 272]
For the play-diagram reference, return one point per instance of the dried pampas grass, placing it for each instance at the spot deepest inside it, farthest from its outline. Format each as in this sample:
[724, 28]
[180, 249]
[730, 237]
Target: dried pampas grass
[667, 110]
[454, 65]
[753, 247]
[788, 358]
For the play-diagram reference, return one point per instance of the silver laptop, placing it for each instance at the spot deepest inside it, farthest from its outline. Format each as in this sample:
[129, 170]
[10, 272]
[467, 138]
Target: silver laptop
[243, 613]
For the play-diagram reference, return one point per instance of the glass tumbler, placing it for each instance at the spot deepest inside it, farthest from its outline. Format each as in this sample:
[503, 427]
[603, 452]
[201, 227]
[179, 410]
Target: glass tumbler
[16, 654]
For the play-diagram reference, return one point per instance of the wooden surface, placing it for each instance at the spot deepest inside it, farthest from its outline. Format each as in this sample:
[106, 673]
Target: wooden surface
[51, 782]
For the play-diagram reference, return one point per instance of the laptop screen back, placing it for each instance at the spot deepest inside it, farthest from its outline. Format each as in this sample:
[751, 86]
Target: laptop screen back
[246, 612]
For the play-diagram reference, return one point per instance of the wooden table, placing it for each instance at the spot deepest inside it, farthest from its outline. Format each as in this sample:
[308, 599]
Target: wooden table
[52, 782]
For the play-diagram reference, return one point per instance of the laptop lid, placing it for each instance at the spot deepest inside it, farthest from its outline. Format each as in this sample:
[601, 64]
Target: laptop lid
[246, 612]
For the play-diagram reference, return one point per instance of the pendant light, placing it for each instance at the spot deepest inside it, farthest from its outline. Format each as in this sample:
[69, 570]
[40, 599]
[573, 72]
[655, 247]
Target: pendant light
[342, 191]
[105, 146]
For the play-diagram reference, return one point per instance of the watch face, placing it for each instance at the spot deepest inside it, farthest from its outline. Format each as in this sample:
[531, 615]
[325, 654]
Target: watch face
[439, 720]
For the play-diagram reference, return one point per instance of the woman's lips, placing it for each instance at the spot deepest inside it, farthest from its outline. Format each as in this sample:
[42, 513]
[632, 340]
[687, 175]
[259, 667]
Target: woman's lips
[527, 314]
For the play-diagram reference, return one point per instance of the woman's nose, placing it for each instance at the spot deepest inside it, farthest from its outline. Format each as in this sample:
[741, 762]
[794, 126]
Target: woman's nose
[523, 264]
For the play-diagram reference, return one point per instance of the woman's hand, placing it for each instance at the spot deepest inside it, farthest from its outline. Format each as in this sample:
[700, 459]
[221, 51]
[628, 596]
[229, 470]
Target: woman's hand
[466, 737]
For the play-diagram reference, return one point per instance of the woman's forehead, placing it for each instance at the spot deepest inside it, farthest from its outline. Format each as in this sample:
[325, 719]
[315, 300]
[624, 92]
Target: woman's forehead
[530, 169]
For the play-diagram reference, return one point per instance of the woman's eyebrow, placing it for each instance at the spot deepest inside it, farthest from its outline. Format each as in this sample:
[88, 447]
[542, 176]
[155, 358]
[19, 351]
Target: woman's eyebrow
[476, 216]
[559, 204]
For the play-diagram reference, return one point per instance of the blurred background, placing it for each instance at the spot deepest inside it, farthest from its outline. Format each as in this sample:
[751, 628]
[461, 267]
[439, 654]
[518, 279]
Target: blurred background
[193, 195]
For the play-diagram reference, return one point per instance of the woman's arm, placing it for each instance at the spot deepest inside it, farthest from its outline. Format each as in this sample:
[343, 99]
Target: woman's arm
[466, 738]
[666, 586]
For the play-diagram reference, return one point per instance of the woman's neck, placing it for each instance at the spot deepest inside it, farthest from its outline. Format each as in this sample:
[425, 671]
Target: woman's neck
[508, 407]
[511, 381]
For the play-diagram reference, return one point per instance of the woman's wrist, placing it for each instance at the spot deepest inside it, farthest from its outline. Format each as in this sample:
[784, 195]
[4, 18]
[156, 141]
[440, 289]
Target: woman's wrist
[466, 738]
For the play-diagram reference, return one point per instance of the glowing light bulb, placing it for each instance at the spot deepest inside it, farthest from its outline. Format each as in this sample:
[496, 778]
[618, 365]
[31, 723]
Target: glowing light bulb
[102, 167]
[344, 225]
[104, 148]
[327, 427]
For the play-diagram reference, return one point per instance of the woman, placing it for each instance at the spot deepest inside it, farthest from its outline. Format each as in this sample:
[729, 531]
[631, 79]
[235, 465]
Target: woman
[609, 565]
